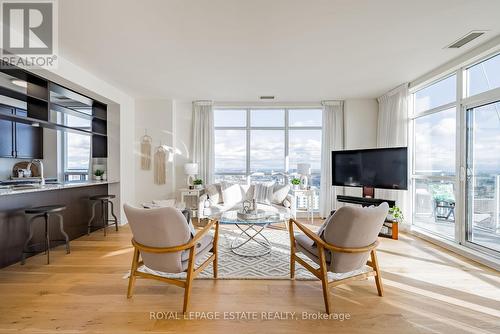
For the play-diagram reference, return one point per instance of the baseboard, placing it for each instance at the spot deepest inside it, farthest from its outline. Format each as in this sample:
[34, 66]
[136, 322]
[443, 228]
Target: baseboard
[474, 255]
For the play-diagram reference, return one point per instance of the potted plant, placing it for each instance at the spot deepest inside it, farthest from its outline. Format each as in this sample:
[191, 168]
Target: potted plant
[296, 183]
[198, 183]
[396, 214]
[98, 174]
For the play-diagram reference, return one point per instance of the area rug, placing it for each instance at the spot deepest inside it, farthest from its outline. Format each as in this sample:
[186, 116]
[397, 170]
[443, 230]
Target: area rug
[274, 266]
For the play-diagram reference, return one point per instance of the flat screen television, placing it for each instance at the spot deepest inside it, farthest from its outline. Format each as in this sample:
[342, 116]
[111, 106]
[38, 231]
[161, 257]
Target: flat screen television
[385, 168]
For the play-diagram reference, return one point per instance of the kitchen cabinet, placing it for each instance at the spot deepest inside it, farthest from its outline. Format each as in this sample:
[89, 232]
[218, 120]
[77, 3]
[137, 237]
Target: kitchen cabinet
[28, 139]
[7, 149]
[18, 140]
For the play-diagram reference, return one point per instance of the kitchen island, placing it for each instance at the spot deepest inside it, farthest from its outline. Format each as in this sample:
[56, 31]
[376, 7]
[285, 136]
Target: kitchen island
[13, 226]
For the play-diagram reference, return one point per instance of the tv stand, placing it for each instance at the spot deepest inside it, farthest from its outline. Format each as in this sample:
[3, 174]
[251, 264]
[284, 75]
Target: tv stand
[368, 192]
[364, 201]
[391, 226]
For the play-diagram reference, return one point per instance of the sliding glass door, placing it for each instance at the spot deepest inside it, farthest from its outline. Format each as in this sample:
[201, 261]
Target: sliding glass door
[455, 136]
[483, 176]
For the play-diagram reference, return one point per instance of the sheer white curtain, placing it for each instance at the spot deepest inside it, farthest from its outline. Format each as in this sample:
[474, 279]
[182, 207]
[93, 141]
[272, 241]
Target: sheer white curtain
[203, 139]
[392, 131]
[332, 139]
[392, 127]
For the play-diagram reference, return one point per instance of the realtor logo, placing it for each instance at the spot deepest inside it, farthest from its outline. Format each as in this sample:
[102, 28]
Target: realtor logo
[29, 30]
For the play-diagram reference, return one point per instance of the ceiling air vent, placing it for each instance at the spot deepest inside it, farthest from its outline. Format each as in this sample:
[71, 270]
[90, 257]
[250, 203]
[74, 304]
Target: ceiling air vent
[466, 39]
[267, 97]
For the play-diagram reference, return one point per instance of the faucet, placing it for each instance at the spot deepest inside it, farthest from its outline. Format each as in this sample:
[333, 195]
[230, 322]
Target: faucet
[40, 163]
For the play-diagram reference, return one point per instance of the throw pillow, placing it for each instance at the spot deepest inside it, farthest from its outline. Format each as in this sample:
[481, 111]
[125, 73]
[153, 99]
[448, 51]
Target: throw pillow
[187, 215]
[231, 193]
[286, 203]
[214, 194]
[263, 193]
[248, 192]
[280, 191]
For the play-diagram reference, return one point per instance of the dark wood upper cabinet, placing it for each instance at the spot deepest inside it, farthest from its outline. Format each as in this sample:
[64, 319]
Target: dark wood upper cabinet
[28, 139]
[7, 149]
[18, 140]
[48, 105]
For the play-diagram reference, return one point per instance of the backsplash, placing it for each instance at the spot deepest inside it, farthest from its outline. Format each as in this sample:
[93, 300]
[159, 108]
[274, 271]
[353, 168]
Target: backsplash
[6, 165]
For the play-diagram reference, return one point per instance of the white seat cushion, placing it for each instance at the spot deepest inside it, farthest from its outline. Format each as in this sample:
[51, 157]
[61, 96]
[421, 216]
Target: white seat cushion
[201, 245]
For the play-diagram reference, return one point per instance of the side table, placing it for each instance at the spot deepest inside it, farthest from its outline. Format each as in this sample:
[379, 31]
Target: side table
[191, 198]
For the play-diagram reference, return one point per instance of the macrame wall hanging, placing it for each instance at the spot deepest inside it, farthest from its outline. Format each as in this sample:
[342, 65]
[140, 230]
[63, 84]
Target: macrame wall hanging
[146, 151]
[160, 161]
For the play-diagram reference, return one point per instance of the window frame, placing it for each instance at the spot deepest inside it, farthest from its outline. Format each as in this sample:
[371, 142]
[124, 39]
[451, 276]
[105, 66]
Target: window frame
[249, 128]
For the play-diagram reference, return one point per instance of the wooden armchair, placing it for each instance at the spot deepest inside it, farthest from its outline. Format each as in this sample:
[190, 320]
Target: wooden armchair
[164, 243]
[351, 238]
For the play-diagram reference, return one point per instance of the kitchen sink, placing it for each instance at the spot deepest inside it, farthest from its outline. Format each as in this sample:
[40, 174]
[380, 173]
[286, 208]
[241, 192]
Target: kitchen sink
[25, 187]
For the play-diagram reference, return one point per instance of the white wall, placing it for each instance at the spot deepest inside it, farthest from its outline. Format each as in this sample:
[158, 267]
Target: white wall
[51, 159]
[157, 117]
[360, 120]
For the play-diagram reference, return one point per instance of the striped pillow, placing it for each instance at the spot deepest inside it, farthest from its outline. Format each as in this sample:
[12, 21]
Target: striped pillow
[263, 192]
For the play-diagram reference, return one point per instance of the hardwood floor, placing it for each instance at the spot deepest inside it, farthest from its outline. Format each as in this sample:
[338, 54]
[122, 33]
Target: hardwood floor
[427, 290]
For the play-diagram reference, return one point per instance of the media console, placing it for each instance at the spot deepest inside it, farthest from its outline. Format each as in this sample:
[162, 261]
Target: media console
[364, 201]
[391, 228]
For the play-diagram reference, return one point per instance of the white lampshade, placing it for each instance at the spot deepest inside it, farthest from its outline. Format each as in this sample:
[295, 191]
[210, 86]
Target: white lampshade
[304, 169]
[191, 169]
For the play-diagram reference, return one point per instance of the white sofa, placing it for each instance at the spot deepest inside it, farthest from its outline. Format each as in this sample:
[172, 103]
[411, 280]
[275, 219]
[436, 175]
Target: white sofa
[212, 204]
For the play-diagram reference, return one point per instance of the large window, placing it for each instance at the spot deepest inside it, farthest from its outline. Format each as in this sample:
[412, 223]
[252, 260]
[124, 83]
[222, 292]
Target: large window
[266, 143]
[483, 76]
[456, 165]
[433, 174]
[76, 149]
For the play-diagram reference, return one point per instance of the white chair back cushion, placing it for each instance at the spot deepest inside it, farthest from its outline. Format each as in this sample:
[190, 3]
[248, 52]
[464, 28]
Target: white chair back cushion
[353, 227]
[159, 227]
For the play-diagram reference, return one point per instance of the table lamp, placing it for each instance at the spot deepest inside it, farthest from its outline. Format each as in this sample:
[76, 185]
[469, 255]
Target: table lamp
[191, 170]
[304, 169]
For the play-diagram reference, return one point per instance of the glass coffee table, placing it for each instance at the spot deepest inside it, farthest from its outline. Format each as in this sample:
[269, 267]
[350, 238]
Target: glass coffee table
[251, 242]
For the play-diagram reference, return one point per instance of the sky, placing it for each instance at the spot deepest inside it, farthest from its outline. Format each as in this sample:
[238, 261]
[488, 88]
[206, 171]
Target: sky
[267, 146]
[435, 134]
[78, 145]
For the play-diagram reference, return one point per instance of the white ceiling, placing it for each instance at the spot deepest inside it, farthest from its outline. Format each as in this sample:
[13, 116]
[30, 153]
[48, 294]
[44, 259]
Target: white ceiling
[237, 50]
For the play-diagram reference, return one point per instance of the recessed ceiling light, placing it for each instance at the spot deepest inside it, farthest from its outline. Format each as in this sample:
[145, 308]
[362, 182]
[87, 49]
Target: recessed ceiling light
[20, 83]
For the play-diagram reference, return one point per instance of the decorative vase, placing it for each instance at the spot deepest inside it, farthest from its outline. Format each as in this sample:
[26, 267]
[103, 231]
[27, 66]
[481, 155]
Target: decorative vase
[98, 178]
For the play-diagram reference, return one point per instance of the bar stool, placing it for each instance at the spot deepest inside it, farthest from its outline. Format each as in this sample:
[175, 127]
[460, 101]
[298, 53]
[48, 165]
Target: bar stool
[105, 202]
[44, 212]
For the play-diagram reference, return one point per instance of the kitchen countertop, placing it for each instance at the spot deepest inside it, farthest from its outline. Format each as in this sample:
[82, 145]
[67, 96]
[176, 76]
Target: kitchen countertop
[48, 187]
